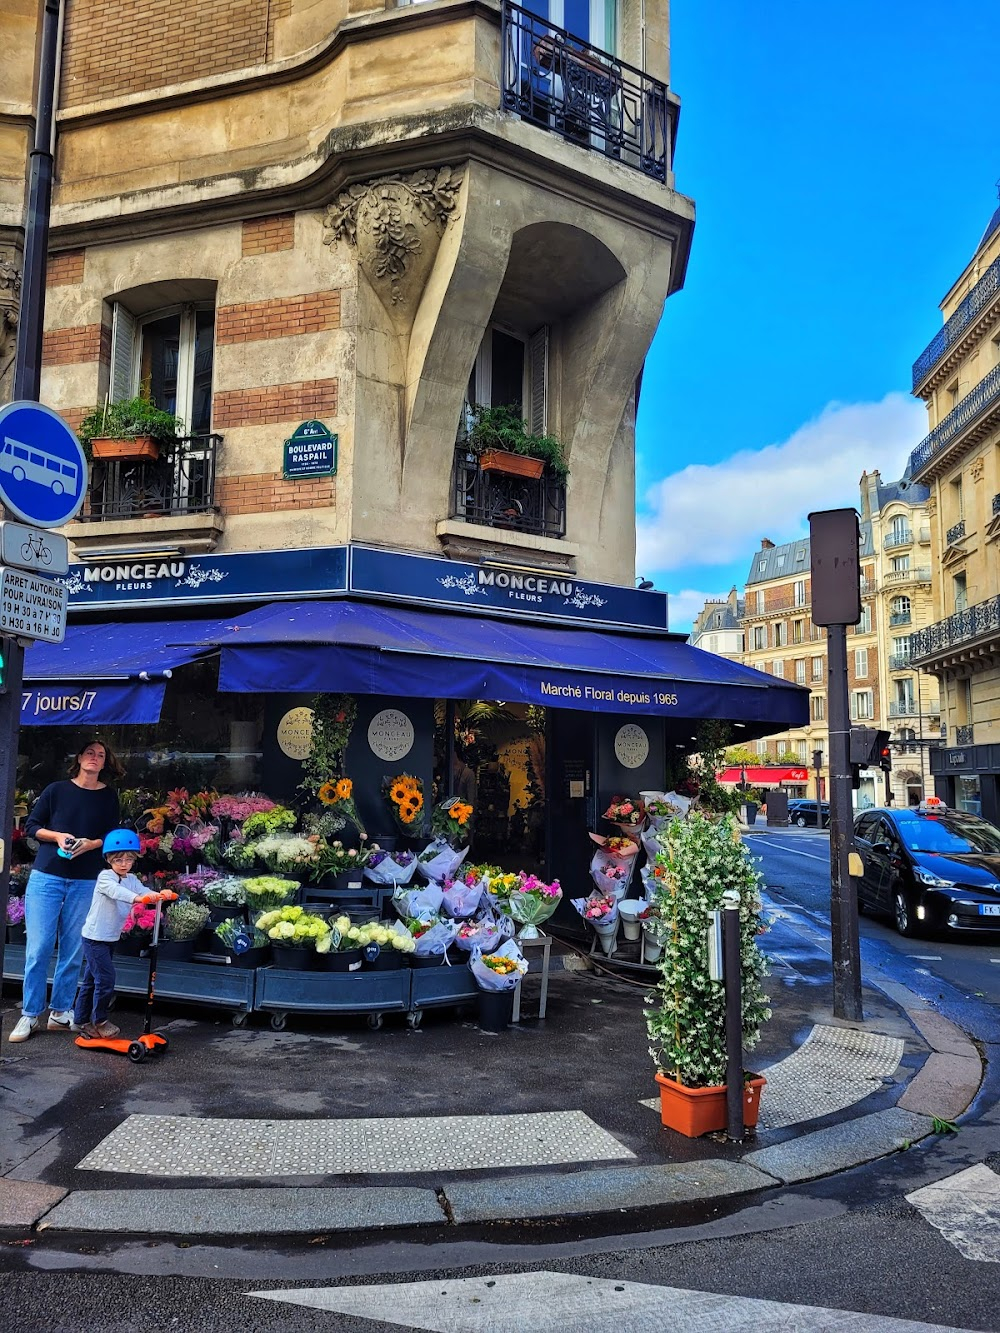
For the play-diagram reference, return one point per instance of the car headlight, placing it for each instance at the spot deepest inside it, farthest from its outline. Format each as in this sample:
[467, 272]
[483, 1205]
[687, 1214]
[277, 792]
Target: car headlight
[931, 880]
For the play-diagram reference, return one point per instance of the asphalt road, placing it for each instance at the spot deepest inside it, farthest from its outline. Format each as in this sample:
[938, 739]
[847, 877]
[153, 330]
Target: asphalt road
[849, 1243]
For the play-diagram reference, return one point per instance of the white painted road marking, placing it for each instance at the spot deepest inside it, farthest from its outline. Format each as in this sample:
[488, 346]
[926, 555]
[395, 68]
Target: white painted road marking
[569, 1303]
[794, 850]
[965, 1208]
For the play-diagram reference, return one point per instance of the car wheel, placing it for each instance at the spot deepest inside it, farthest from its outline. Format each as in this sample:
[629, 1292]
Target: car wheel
[904, 914]
[800, 820]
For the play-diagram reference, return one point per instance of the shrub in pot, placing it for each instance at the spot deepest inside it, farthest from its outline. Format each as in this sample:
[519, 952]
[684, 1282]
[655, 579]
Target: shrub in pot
[134, 428]
[503, 431]
[185, 921]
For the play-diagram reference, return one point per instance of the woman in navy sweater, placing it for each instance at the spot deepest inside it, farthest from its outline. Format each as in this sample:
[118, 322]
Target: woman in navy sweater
[69, 821]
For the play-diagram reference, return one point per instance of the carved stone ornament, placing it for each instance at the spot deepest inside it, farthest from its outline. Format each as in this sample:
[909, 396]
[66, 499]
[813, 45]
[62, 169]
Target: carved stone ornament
[976, 471]
[10, 295]
[396, 222]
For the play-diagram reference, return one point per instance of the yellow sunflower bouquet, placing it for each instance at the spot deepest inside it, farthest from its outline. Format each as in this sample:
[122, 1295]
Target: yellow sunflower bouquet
[404, 795]
[337, 794]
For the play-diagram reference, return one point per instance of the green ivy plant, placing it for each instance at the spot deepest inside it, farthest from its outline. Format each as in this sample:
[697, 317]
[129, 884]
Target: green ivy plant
[702, 857]
[504, 428]
[334, 716]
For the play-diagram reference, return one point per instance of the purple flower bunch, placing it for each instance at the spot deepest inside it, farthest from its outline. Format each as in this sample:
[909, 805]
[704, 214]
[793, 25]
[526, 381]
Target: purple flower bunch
[402, 859]
[196, 880]
[241, 807]
[15, 911]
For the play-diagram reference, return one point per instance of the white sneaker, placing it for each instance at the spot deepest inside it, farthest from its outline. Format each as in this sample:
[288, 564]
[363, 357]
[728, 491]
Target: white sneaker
[23, 1029]
[61, 1021]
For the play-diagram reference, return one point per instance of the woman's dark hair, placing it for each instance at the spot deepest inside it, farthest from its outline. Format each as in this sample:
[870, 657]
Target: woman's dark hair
[113, 767]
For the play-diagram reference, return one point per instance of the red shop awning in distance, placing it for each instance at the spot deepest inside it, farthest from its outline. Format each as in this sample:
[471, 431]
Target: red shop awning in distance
[759, 777]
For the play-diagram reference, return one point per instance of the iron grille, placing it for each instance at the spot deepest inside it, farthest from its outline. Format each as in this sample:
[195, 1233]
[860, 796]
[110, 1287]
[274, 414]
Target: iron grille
[996, 504]
[519, 504]
[180, 481]
[983, 398]
[901, 538]
[956, 533]
[899, 618]
[965, 314]
[963, 735]
[899, 662]
[563, 84]
[962, 627]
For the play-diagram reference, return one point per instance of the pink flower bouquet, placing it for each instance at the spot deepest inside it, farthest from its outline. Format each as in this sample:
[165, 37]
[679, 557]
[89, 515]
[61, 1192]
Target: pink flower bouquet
[533, 902]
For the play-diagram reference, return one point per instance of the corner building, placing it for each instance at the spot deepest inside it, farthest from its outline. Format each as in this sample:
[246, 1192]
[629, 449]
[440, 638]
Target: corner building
[958, 377]
[320, 232]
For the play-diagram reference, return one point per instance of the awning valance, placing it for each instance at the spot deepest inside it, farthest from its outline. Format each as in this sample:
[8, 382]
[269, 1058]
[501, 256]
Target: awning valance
[108, 673]
[758, 777]
[363, 648]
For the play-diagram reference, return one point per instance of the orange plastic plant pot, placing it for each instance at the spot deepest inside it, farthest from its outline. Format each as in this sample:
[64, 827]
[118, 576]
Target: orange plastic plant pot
[143, 446]
[514, 465]
[696, 1111]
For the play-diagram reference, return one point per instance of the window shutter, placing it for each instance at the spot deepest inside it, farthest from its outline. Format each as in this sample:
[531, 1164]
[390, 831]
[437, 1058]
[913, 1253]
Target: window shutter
[122, 352]
[538, 369]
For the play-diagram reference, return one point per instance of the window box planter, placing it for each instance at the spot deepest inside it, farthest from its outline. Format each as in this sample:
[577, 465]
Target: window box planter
[512, 465]
[132, 449]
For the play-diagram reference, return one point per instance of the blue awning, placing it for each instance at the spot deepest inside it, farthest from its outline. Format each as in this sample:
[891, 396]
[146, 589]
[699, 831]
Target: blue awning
[361, 648]
[108, 673]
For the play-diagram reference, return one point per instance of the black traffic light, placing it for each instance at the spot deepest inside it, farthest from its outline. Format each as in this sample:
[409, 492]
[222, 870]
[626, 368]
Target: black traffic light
[869, 749]
[885, 760]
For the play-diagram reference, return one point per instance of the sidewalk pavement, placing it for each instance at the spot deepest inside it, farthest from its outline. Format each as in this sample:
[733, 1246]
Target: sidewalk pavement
[328, 1127]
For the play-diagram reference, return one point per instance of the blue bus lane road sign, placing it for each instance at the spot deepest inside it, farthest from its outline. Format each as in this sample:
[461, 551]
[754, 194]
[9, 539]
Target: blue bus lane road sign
[43, 469]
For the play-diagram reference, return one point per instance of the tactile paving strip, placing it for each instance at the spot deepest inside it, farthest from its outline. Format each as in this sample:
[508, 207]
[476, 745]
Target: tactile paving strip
[833, 1068]
[174, 1146]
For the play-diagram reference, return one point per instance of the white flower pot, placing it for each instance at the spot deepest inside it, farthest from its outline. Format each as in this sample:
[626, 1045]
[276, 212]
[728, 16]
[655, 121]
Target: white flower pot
[651, 947]
[608, 935]
[628, 913]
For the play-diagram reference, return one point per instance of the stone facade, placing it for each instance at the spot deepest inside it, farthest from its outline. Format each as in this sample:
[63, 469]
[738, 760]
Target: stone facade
[958, 378]
[327, 200]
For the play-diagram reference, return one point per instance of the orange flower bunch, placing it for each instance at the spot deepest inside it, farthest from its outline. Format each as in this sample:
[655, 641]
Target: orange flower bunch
[405, 795]
[452, 820]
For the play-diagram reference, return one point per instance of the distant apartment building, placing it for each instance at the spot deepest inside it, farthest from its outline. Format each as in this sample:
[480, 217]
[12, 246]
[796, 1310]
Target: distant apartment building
[958, 377]
[718, 627]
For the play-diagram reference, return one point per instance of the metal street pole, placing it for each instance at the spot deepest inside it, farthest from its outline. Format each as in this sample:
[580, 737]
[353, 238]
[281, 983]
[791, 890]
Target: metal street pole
[844, 932]
[818, 765]
[27, 383]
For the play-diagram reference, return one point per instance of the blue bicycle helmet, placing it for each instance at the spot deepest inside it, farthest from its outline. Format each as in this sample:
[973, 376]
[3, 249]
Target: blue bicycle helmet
[121, 840]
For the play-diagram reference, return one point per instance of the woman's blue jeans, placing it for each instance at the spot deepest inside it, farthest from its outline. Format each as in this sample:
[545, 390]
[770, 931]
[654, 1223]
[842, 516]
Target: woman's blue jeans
[54, 909]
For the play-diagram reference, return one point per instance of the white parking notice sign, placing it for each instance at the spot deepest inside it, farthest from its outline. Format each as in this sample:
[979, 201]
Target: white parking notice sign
[32, 607]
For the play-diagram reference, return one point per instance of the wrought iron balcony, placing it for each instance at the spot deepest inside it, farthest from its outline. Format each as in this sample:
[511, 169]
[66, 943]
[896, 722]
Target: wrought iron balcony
[867, 587]
[901, 538]
[956, 533]
[180, 481]
[519, 504]
[996, 503]
[904, 708]
[963, 735]
[966, 314]
[957, 631]
[900, 618]
[557, 81]
[976, 410]
[900, 662]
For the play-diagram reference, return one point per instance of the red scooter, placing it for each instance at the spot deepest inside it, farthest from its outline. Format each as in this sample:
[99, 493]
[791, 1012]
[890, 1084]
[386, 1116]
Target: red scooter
[149, 1043]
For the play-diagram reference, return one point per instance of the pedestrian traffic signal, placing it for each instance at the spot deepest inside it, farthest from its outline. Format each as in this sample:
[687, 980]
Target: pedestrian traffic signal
[885, 760]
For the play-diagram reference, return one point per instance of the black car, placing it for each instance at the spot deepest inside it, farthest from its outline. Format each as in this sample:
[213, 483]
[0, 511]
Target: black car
[803, 813]
[929, 868]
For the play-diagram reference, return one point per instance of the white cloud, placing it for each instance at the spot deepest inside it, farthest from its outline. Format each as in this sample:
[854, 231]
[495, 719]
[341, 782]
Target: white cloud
[717, 513]
[685, 605]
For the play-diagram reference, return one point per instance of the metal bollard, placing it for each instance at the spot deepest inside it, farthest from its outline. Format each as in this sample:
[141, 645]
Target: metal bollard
[732, 976]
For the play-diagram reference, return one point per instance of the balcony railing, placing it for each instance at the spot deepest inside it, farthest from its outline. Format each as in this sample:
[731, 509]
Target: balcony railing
[963, 735]
[966, 313]
[975, 407]
[901, 538]
[963, 627]
[180, 481]
[900, 618]
[563, 84]
[899, 662]
[956, 533]
[519, 504]
[918, 574]
[867, 587]
[904, 708]
[996, 503]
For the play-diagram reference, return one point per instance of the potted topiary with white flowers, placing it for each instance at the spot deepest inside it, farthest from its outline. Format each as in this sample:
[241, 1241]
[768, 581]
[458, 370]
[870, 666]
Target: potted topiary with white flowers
[701, 858]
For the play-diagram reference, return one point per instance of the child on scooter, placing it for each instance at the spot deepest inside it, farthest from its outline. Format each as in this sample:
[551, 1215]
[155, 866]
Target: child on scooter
[115, 892]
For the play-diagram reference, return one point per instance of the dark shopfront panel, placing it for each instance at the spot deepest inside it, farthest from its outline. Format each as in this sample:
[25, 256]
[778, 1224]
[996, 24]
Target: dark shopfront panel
[968, 779]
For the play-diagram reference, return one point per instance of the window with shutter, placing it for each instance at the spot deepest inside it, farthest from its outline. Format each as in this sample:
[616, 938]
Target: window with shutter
[123, 326]
[538, 368]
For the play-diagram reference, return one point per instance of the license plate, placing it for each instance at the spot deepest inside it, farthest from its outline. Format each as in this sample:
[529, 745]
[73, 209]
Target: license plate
[989, 909]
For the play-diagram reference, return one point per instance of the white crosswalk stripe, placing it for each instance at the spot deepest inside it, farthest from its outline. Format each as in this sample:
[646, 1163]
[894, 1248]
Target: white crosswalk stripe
[965, 1208]
[574, 1304]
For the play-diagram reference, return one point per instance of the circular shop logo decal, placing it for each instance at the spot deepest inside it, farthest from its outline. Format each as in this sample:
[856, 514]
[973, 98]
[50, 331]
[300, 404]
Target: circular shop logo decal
[631, 746]
[390, 735]
[295, 733]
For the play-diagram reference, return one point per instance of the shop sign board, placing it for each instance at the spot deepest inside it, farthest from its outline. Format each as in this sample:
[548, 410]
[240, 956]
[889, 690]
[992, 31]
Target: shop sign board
[631, 746]
[33, 548]
[31, 607]
[43, 469]
[310, 451]
[390, 735]
[295, 733]
[372, 573]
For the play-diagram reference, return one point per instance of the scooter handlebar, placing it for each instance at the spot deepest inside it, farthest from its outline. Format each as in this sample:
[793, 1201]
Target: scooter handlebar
[167, 896]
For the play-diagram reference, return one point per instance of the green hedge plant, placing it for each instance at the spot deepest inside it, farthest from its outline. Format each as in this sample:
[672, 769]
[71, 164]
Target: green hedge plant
[504, 428]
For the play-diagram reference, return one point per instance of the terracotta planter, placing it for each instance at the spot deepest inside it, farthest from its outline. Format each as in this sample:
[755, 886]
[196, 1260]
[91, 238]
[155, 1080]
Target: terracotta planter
[142, 446]
[514, 465]
[697, 1111]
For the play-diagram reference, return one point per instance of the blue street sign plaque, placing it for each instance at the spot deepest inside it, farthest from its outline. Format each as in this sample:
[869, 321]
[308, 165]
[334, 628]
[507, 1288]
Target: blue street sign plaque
[43, 469]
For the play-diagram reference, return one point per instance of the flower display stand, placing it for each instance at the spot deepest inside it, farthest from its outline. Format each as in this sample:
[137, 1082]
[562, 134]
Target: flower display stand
[437, 987]
[374, 993]
[543, 942]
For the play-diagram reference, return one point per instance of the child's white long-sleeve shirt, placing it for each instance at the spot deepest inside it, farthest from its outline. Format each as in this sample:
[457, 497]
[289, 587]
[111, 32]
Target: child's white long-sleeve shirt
[109, 907]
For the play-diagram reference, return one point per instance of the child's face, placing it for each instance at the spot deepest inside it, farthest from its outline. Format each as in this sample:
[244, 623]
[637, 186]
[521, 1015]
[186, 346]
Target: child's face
[122, 862]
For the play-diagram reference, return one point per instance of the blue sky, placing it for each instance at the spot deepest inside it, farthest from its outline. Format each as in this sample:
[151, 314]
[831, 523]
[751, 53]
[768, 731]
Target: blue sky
[843, 162]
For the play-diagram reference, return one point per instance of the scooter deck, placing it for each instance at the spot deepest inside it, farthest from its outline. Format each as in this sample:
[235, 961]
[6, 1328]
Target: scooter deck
[136, 1048]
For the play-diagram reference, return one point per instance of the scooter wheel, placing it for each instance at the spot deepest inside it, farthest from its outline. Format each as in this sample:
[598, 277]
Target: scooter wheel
[136, 1052]
[163, 1045]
